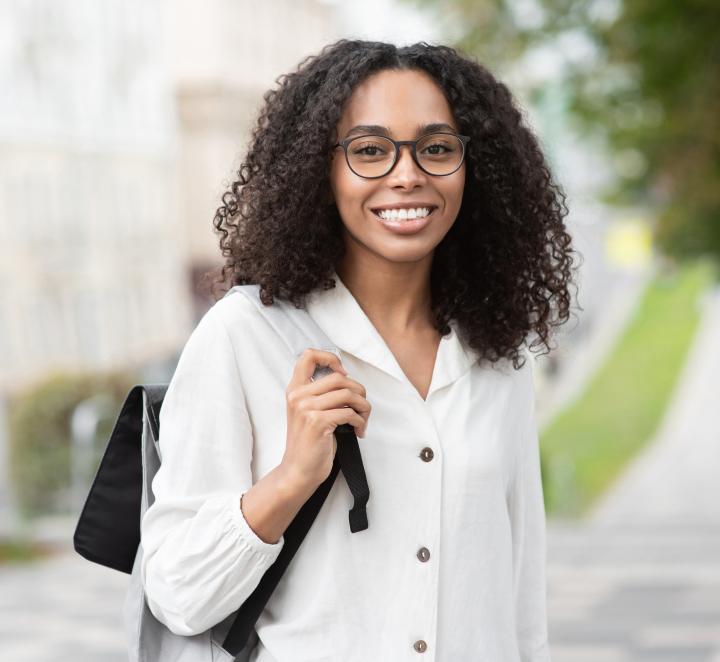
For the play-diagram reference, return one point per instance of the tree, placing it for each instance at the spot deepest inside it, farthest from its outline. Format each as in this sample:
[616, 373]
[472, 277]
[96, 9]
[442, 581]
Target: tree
[651, 90]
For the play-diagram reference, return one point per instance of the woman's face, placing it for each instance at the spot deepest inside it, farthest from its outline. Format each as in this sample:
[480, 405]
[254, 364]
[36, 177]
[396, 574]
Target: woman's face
[402, 102]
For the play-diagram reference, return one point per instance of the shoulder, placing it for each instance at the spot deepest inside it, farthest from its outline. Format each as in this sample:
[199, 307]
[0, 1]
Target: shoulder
[511, 386]
[235, 307]
[239, 320]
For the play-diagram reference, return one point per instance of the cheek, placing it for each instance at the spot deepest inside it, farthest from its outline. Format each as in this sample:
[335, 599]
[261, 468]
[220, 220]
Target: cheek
[454, 188]
[349, 190]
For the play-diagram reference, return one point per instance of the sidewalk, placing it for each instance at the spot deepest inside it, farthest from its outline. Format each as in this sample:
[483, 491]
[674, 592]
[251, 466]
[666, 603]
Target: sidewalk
[615, 594]
[634, 594]
[640, 579]
[61, 609]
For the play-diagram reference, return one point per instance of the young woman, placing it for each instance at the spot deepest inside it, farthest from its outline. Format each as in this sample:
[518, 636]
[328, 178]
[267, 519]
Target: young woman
[396, 195]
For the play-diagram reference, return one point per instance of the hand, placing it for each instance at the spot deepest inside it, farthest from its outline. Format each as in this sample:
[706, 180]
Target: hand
[314, 410]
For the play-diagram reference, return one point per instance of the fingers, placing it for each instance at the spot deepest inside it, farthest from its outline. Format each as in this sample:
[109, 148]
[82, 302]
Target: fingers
[332, 382]
[349, 415]
[335, 393]
[309, 360]
[343, 397]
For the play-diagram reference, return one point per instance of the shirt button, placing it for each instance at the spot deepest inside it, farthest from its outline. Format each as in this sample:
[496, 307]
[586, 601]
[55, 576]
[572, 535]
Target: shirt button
[420, 646]
[423, 554]
[427, 454]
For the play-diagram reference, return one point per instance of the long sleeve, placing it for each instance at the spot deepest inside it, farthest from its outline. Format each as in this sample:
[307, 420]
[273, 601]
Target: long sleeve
[201, 559]
[527, 516]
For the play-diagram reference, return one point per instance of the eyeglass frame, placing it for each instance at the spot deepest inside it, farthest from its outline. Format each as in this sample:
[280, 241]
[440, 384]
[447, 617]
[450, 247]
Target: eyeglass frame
[399, 143]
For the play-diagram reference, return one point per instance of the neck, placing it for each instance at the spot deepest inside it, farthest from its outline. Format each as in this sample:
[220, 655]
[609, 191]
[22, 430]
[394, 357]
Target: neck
[396, 298]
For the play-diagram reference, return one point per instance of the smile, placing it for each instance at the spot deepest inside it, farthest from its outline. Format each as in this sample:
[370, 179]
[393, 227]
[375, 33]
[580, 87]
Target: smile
[404, 213]
[405, 221]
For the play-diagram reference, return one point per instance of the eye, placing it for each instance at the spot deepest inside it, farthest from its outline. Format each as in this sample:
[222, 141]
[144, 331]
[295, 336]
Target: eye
[437, 146]
[367, 149]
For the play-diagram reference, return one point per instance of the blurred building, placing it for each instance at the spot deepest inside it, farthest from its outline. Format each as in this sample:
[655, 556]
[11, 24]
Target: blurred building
[226, 54]
[122, 122]
[92, 266]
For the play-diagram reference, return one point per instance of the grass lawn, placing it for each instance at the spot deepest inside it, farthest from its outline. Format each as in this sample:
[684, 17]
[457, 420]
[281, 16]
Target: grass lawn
[587, 445]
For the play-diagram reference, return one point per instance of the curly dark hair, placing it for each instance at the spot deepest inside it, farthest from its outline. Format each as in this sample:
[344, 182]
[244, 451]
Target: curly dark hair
[503, 269]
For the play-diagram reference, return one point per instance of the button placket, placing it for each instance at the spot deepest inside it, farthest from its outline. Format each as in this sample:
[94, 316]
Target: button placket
[428, 620]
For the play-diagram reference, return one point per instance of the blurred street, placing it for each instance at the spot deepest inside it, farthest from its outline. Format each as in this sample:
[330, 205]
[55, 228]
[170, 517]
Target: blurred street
[615, 594]
[640, 579]
[634, 594]
[62, 609]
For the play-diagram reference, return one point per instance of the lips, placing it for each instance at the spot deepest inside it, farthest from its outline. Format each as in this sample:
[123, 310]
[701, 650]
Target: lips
[408, 226]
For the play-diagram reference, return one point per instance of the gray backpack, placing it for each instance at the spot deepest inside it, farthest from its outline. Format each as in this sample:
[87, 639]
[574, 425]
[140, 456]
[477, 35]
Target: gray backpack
[108, 529]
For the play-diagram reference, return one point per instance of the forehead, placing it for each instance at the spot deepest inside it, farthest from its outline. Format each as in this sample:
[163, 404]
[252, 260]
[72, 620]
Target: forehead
[399, 100]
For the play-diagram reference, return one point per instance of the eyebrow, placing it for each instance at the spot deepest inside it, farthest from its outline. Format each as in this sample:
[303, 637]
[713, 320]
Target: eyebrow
[376, 128]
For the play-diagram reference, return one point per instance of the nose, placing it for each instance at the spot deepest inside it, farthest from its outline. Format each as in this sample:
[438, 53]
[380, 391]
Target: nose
[406, 171]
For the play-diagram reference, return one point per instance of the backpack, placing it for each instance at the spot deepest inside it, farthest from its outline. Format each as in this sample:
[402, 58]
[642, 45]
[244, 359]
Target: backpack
[108, 529]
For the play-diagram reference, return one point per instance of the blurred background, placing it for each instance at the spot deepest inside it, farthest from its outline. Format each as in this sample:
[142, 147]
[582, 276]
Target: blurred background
[122, 121]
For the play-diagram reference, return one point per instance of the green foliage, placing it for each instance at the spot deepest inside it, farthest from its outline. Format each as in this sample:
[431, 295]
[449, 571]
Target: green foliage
[586, 446]
[652, 91]
[40, 436]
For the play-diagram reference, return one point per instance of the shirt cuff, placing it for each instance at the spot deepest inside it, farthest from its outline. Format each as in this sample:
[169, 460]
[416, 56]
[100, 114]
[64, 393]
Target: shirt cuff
[254, 542]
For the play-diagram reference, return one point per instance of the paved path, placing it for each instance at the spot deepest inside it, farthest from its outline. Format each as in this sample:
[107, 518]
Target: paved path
[615, 594]
[640, 580]
[61, 610]
[634, 594]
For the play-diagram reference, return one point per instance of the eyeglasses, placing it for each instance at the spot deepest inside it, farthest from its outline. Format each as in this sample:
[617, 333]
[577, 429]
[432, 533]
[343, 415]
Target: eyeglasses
[437, 154]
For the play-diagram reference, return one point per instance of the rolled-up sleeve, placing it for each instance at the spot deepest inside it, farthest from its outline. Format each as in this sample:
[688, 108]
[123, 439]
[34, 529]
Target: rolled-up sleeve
[527, 516]
[201, 559]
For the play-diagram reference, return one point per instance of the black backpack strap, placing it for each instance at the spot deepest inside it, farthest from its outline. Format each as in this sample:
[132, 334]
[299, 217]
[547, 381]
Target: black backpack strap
[347, 458]
[351, 464]
[248, 614]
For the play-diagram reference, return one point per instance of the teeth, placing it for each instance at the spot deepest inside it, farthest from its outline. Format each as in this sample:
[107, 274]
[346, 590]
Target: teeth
[403, 214]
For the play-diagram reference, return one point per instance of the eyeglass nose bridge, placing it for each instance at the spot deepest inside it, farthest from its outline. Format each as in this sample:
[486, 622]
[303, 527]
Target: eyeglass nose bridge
[412, 144]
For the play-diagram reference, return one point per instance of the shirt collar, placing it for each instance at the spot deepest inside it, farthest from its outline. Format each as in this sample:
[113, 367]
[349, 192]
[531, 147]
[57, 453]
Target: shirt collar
[340, 316]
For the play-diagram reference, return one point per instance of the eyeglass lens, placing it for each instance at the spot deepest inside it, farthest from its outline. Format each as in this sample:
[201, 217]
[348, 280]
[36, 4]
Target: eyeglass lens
[373, 156]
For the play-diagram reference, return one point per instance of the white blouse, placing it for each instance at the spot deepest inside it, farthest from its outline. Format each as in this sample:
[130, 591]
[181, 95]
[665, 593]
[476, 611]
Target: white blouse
[452, 566]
